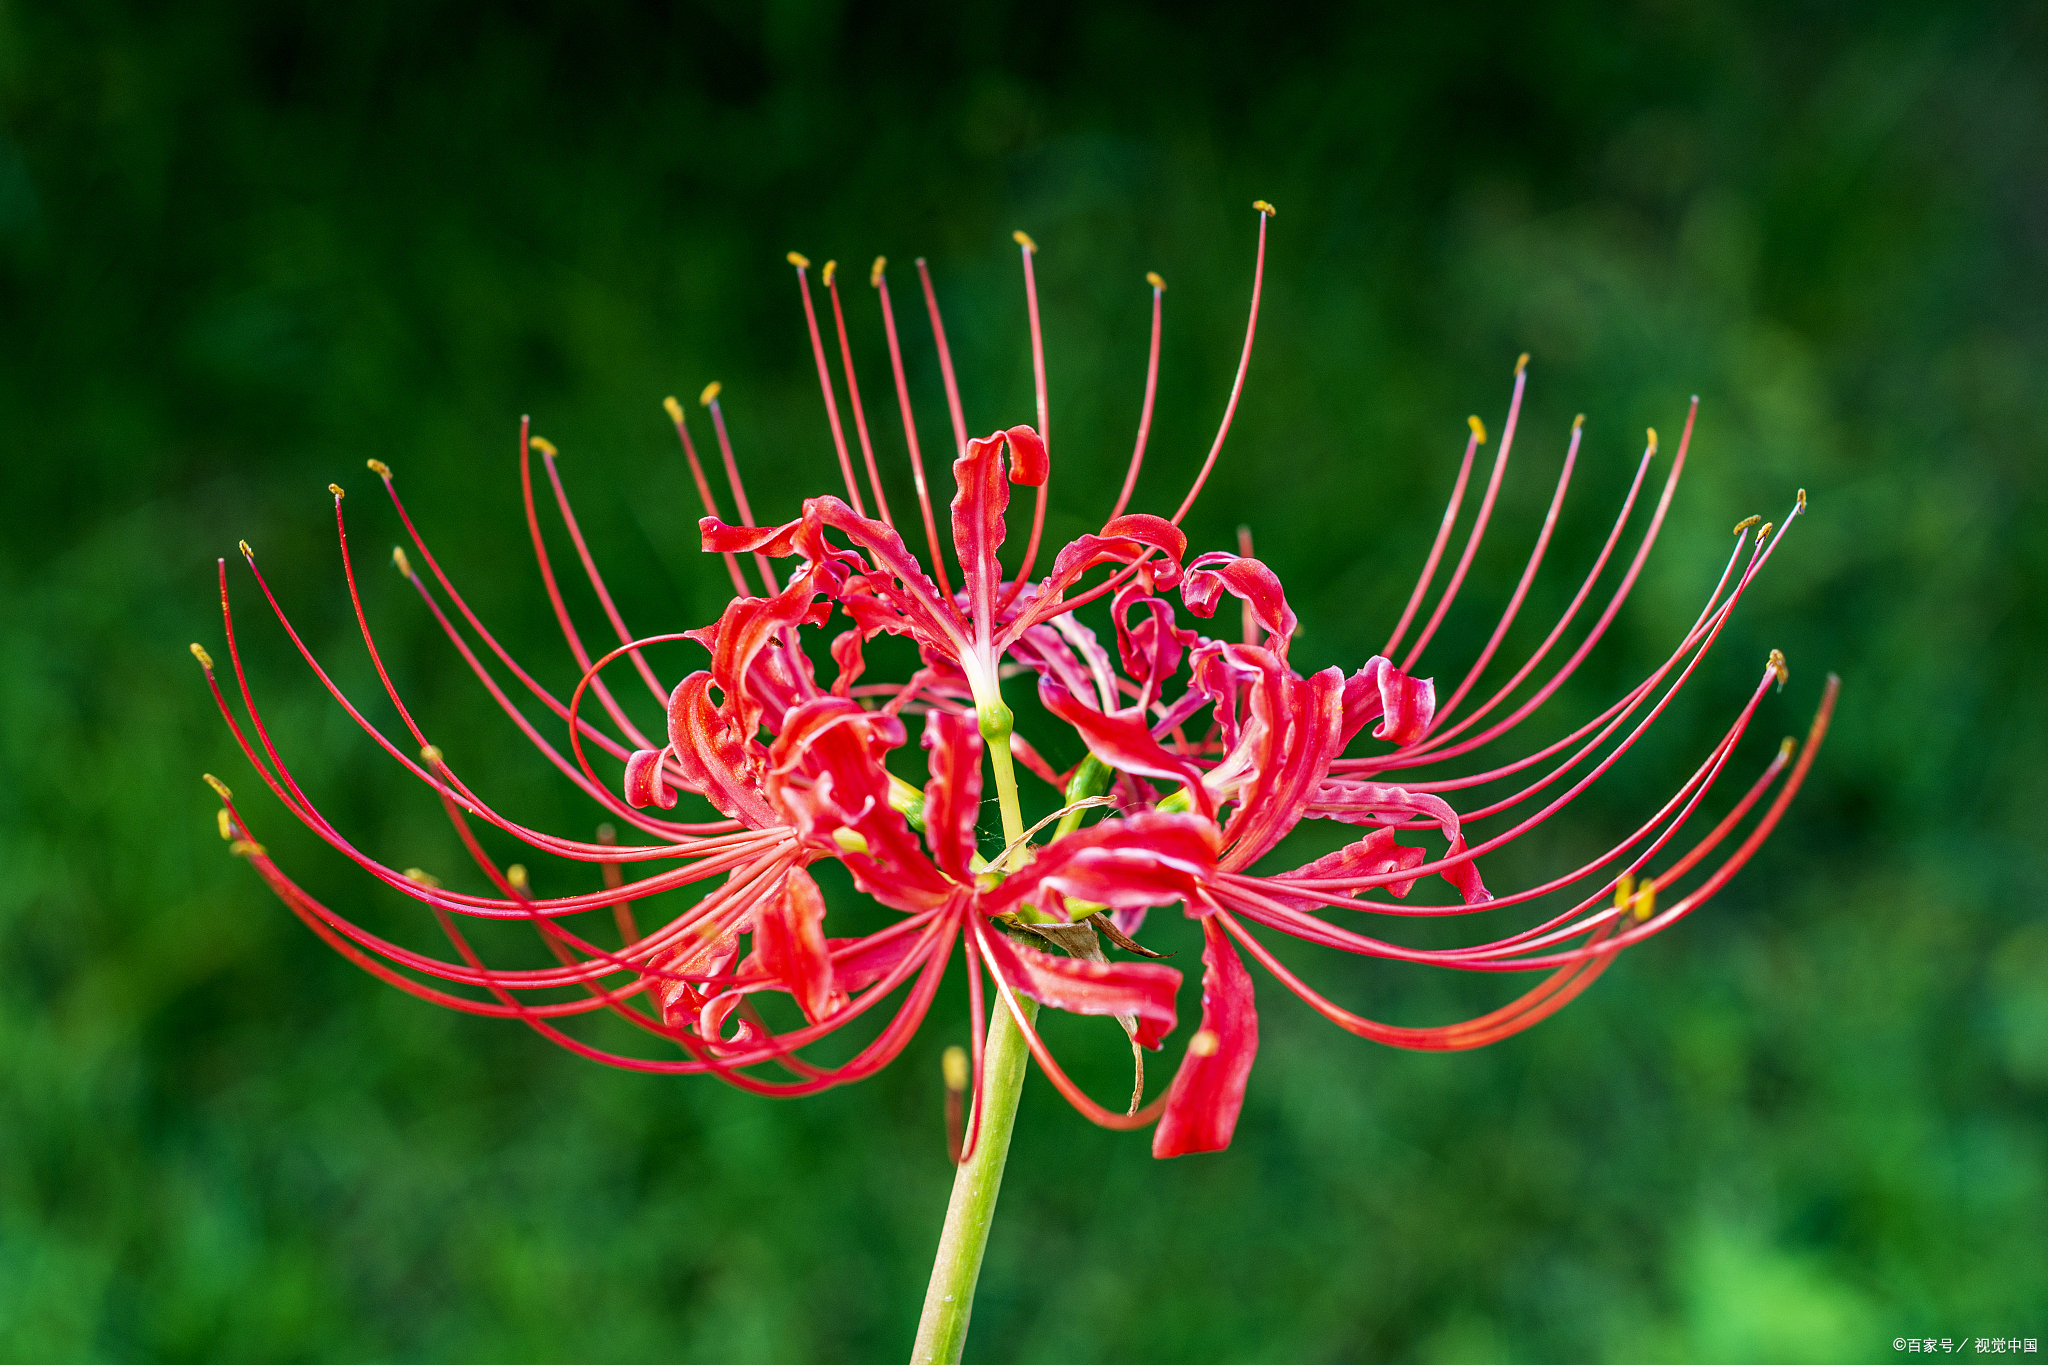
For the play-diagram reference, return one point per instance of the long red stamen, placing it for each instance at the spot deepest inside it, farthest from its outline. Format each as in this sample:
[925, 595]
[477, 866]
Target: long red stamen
[1244, 362]
[732, 563]
[709, 398]
[860, 421]
[554, 591]
[803, 281]
[1478, 533]
[953, 409]
[924, 497]
[1145, 411]
[604, 596]
[1443, 537]
[1514, 607]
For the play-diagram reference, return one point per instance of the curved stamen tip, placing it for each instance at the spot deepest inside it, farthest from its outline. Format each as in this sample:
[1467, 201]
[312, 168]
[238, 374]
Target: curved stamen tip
[953, 1066]
[829, 272]
[1786, 748]
[335, 489]
[205, 661]
[1624, 890]
[379, 468]
[1776, 664]
[1023, 239]
[422, 878]
[220, 788]
[516, 874]
[1579, 421]
[1263, 207]
[399, 560]
[1747, 522]
[243, 546]
[1802, 499]
[672, 408]
[1764, 532]
[247, 848]
[226, 823]
[1204, 1044]
[1646, 901]
[431, 755]
[1478, 429]
[1152, 278]
[711, 391]
[875, 271]
[1652, 432]
[543, 445]
[1522, 363]
[799, 260]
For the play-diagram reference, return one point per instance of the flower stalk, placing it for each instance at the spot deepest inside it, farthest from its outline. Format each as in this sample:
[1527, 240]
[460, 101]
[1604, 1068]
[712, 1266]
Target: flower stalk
[971, 1212]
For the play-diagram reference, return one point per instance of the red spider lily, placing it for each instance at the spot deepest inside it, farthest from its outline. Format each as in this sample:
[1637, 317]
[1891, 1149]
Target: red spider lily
[799, 772]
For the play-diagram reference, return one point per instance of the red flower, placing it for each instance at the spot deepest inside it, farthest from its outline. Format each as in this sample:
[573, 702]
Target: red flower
[1211, 751]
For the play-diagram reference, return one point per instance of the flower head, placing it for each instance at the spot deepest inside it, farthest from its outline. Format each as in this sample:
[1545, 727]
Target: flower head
[1202, 754]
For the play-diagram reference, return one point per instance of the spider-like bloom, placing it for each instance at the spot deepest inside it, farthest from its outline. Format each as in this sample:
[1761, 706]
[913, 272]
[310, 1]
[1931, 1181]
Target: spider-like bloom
[1203, 753]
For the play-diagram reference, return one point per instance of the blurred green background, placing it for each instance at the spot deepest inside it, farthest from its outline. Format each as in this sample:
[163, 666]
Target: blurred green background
[244, 247]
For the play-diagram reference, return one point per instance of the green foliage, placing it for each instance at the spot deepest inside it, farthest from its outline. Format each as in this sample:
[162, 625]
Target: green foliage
[244, 247]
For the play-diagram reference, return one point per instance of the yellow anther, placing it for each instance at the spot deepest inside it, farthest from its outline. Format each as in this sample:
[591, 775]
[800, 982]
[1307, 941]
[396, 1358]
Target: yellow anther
[1746, 523]
[1776, 663]
[953, 1066]
[431, 755]
[1624, 890]
[516, 874]
[379, 468]
[672, 408]
[799, 260]
[399, 560]
[1646, 901]
[205, 659]
[335, 489]
[831, 269]
[423, 878]
[1763, 532]
[1478, 429]
[1578, 421]
[1802, 499]
[1787, 747]
[1522, 363]
[243, 546]
[247, 848]
[1023, 239]
[227, 825]
[711, 392]
[220, 788]
[1152, 278]
[1653, 437]
[1263, 207]
[1204, 1043]
[543, 445]
[875, 271]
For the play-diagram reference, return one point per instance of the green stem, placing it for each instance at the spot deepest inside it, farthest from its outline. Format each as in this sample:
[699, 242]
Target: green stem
[942, 1331]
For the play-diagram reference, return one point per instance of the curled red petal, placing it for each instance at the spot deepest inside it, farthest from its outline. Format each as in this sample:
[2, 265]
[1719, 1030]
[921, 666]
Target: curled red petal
[1029, 463]
[1141, 989]
[1149, 858]
[1246, 579]
[1405, 705]
[644, 784]
[1208, 1091]
[1376, 855]
[1296, 723]
[1123, 740]
[952, 799]
[789, 936]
